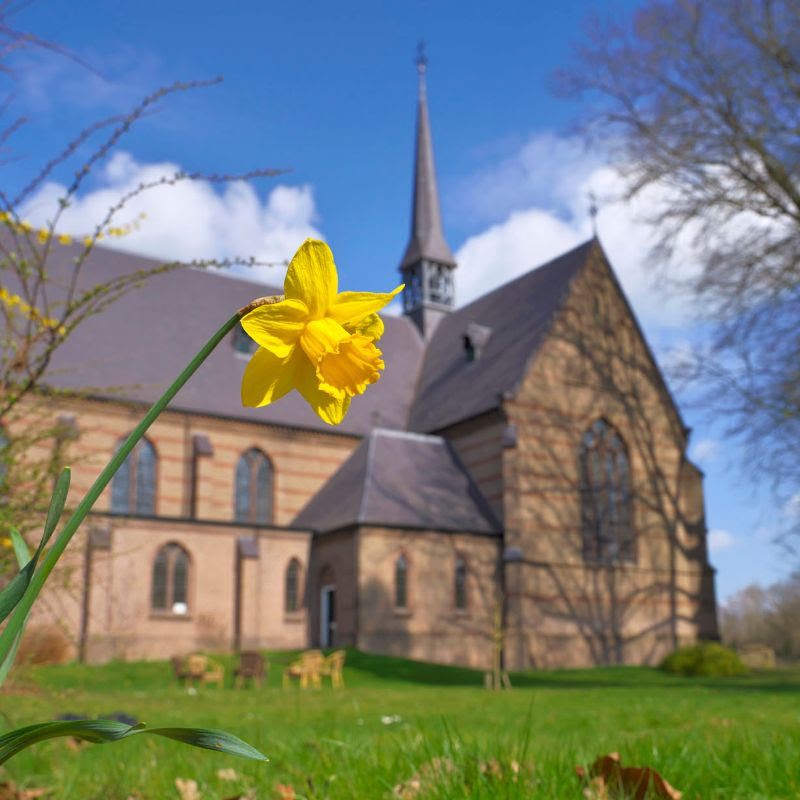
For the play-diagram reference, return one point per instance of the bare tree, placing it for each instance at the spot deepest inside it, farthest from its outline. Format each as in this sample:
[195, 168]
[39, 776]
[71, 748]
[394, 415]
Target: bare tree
[700, 99]
[766, 616]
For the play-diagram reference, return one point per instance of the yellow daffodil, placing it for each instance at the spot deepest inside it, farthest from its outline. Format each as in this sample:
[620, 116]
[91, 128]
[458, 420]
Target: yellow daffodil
[314, 339]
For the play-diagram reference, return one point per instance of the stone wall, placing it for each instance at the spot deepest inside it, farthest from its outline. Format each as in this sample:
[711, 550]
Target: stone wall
[120, 622]
[429, 627]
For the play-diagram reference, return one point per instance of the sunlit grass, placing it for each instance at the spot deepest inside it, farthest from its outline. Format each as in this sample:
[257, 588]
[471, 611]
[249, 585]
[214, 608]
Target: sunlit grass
[726, 738]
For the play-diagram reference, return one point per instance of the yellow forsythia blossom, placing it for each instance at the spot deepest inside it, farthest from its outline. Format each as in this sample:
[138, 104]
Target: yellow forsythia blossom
[316, 340]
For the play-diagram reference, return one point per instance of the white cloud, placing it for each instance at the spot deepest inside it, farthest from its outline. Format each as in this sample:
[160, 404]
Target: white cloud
[705, 451]
[190, 219]
[543, 192]
[719, 539]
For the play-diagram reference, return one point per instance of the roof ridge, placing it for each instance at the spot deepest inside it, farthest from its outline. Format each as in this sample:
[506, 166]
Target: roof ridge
[397, 434]
[521, 277]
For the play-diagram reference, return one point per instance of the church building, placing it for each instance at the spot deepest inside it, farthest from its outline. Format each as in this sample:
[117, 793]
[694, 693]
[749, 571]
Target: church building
[519, 473]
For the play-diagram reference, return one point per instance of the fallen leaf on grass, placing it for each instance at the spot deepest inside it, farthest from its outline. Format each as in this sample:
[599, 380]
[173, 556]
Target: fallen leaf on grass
[187, 789]
[9, 791]
[428, 775]
[285, 791]
[607, 779]
[503, 771]
[228, 774]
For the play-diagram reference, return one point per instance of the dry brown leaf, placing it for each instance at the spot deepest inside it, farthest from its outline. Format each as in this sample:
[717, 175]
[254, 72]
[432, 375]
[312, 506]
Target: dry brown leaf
[607, 779]
[228, 774]
[9, 791]
[285, 791]
[32, 794]
[421, 781]
[187, 789]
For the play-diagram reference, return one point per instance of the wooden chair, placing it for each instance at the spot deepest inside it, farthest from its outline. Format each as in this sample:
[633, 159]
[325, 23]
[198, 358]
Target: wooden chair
[332, 667]
[201, 669]
[251, 665]
[179, 669]
[308, 668]
[214, 673]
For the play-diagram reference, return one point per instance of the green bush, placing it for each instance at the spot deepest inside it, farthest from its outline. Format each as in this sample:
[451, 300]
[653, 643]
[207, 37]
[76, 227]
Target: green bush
[706, 658]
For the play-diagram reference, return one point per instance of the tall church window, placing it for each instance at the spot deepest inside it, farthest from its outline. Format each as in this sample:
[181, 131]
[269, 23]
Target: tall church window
[170, 587]
[253, 493]
[401, 582]
[292, 587]
[460, 584]
[606, 516]
[133, 487]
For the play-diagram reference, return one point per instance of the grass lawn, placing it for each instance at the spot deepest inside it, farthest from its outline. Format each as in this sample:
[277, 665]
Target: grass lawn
[399, 720]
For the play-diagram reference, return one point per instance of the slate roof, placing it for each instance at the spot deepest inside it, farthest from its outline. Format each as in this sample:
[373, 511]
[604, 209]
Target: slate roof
[517, 315]
[400, 479]
[150, 334]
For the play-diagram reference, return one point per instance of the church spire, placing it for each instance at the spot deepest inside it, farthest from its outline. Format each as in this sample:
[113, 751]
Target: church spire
[428, 262]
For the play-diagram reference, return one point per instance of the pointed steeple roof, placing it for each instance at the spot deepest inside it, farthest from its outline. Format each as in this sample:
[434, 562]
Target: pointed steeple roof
[427, 237]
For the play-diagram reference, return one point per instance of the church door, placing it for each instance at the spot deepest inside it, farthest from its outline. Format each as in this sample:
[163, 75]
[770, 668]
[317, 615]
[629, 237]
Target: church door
[327, 634]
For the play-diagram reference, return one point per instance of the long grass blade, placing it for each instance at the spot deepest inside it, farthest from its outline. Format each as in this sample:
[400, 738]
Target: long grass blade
[103, 731]
[12, 594]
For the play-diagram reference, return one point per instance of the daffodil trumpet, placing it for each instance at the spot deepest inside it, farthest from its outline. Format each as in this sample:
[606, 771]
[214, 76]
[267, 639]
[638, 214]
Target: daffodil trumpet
[314, 338]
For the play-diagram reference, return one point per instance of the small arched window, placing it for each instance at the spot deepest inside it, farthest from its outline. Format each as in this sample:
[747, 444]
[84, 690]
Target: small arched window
[170, 587]
[133, 487]
[606, 517]
[292, 587]
[460, 584]
[401, 582]
[253, 495]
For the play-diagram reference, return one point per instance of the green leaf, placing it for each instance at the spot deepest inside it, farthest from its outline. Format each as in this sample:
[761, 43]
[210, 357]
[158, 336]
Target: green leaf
[103, 731]
[12, 593]
[20, 548]
[23, 556]
[211, 739]
[57, 503]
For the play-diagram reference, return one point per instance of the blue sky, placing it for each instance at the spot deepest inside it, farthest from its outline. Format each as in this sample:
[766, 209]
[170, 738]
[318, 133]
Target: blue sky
[328, 91]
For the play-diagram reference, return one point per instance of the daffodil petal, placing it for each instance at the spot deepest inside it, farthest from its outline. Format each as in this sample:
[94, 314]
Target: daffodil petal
[276, 326]
[349, 308]
[371, 326]
[268, 377]
[329, 409]
[312, 278]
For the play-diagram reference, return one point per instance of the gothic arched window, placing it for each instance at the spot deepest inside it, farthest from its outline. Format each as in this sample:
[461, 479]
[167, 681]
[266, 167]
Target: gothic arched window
[292, 586]
[170, 588]
[606, 517]
[460, 584]
[401, 582]
[133, 487]
[253, 494]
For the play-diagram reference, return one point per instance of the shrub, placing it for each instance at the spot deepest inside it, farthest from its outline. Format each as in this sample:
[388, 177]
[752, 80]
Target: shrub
[704, 658]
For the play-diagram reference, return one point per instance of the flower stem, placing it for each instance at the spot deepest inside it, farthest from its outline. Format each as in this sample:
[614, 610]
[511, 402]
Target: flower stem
[40, 576]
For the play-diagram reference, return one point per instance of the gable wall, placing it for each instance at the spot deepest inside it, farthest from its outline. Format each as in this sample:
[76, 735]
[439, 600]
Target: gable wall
[563, 612]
